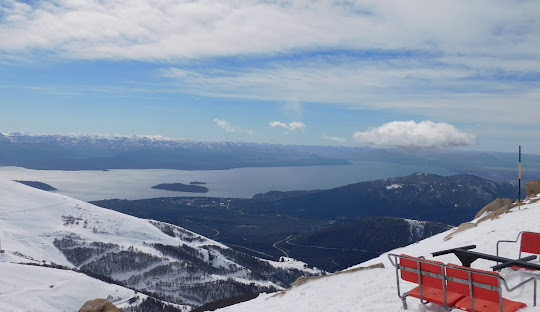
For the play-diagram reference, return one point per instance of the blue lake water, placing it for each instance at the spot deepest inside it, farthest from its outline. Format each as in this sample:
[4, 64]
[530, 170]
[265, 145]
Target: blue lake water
[90, 185]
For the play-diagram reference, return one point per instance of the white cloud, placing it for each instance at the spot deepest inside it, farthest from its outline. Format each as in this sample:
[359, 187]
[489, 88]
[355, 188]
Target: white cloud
[409, 134]
[335, 139]
[295, 125]
[175, 29]
[225, 125]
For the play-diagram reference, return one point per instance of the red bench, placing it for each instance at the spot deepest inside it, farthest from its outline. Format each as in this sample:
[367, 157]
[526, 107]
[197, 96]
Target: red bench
[482, 290]
[454, 286]
[530, 243]
[430, 277]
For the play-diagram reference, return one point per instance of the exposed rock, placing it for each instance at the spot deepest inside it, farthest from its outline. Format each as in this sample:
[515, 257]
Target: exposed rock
[495, 205]
[373, 266]
[533, 187]
[303, 280]
[495, 214]
[462, 227]
[99, 305]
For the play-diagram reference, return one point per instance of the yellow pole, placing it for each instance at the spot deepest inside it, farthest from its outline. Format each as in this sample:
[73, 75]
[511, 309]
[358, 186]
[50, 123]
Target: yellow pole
[519, 183]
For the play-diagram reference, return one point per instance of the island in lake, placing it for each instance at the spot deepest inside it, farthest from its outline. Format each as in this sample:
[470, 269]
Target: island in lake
[197, 182]
[180, 187]
[38, 185]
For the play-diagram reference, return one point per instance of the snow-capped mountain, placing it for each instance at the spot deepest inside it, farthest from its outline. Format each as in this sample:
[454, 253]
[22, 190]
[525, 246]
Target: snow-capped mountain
[374, 289]
[174, 264]
[94, 152]
[108, 141]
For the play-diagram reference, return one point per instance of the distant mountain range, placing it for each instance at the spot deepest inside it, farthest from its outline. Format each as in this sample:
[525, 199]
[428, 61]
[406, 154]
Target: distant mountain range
[89, 152]
[93, 152]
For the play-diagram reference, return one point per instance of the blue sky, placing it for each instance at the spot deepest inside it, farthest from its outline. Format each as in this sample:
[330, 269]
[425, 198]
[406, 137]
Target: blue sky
[426, 74]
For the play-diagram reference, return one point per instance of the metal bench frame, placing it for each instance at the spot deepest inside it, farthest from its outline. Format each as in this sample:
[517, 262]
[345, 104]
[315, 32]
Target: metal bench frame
[445, 278]
[418, 260]
[497, 288]
[514, 241]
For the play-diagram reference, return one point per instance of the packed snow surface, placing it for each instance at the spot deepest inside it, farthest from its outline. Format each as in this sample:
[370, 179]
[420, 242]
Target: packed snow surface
[375, 289]
[33, 288]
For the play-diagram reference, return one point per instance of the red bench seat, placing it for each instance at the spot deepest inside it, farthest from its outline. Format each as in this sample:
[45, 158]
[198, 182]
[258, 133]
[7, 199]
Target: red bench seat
[484, 300]
[436, 295]
[481, 305]
[530, 243]
[432, 281]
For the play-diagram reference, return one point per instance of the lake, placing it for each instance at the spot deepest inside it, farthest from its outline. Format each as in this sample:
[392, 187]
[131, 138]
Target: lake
[88, 185]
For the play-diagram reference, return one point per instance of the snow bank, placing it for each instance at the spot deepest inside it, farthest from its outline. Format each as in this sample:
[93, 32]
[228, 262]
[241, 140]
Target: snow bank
[33, 288]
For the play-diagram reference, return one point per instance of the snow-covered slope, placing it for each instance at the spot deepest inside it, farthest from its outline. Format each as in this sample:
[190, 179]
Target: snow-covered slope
[35, 288]
[375, 289]
[176, 264]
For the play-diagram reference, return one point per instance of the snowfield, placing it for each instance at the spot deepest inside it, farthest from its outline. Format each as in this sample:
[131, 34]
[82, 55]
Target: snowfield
[33, 288]
[375, 289]
[43, 227]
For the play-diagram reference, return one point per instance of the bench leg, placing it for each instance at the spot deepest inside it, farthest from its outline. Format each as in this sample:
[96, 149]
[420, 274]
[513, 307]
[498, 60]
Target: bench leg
[404, 301]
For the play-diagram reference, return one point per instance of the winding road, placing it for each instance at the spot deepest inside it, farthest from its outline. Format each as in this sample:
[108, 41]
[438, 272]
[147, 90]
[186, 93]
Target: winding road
[284, 251]
[212, 229]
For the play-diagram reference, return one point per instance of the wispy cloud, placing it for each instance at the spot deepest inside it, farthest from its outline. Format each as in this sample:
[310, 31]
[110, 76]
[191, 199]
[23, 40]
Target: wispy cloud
[293, 126]
[335, 139]
[292, 108]
[412, 135]
[51, 90]
[412, 85]
[225, 125]
[167, 30]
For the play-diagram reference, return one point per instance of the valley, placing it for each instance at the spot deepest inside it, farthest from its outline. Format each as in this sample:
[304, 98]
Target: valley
[330, 229]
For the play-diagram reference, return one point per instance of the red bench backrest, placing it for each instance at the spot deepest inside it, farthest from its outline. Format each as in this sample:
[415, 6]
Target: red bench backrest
[530, 242]
[478, 292]
[427, 266]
